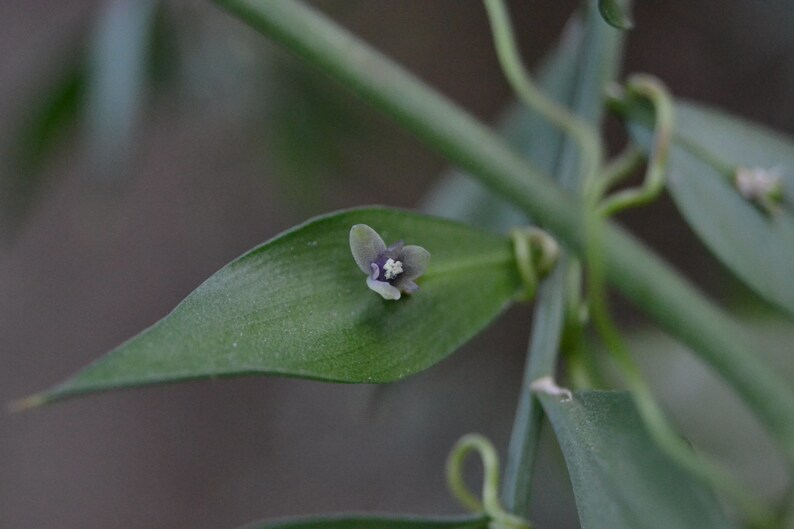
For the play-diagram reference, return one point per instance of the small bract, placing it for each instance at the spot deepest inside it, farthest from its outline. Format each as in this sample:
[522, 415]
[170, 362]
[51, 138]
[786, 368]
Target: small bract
[391, 270]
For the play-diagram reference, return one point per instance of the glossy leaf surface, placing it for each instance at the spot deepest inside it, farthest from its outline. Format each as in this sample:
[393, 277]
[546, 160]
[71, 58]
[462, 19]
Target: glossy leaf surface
[756, 245]
[299, 306]
[620, 478]
[372, 522]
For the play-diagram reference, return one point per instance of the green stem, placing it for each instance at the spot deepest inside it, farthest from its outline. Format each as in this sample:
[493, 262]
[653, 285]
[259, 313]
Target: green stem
[595, 50]
[541, 360]
[536, 254]
[600, 209]
[490, 504]
[653, 184]
[521, 82]
[662, 432]
[621, 167]
[643, 277]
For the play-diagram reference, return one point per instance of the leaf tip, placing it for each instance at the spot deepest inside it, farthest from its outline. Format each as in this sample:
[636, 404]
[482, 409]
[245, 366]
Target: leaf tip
[27, 403]
[616, 14]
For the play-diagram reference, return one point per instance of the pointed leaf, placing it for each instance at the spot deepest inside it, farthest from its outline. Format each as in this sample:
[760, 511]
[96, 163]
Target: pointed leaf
[620, 477]
[299, 306]
[709, 145]
[344, 521]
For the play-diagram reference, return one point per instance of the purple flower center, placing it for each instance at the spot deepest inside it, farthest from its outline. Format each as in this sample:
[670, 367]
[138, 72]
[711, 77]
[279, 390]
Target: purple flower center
[389, 264]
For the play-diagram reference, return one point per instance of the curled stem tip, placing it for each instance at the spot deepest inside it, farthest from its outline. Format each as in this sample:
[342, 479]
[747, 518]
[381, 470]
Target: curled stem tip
[536, 254]
[531, 95]
[490, 504]
[651, 88]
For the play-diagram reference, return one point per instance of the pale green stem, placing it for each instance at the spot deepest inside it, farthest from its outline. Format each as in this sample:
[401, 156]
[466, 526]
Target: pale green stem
[671, 300]
[700, 465]
[532, 96]
[653, 184]
[621, 167]
[526, 265]
[653, 417]
[536, 254]
[547, 325]
[490, 504]
[596, 55]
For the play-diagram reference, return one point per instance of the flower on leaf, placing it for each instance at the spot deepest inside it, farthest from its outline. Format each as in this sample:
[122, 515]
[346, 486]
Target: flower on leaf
[390, 270]
[763, 187]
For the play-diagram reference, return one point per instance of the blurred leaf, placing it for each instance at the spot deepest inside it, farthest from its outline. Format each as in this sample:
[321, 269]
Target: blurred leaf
[55, 114]
[372, 522]
[299, 306]
[163, 61]
[48, 122]
[620, 477]
[678, 379]
[118, 64]
[615, 14]
[757, 246]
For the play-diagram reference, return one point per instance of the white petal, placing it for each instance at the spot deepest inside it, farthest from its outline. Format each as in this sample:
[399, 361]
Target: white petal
[384, 289]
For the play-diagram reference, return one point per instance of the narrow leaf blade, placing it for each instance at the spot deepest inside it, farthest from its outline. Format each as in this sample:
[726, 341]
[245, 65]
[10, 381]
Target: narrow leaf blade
[299, 306]
[620, 477]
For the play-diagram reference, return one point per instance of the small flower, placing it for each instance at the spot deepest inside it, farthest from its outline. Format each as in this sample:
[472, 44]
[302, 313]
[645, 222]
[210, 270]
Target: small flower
[390, 270]
[761, 186]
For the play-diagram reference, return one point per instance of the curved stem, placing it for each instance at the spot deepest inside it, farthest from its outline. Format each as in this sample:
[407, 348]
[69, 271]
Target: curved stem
[522, 84]
[621, 167]
[676, 305]
[490, 505]
[592, 49]
[526, 265]
[653, 417]
[653, 89]
[660, 429]
[536, 254]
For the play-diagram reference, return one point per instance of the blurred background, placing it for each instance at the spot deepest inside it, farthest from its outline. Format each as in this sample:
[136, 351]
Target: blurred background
[144, 144]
